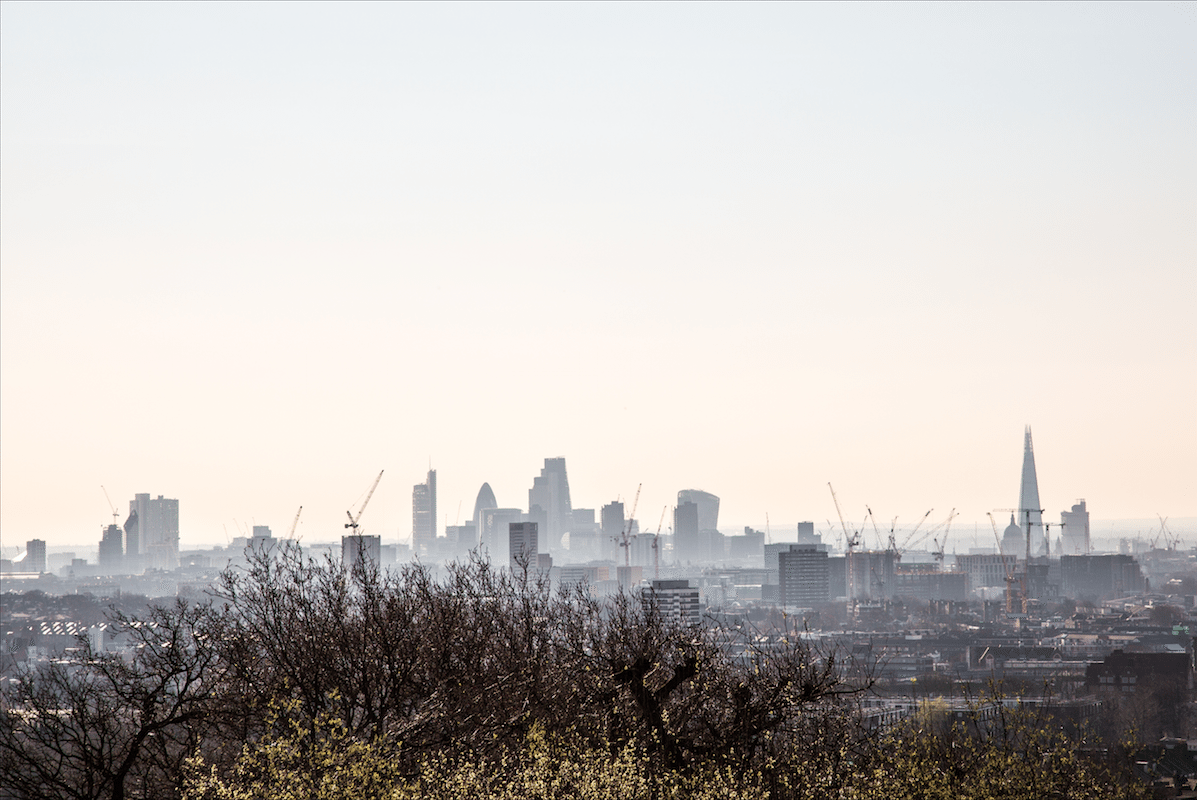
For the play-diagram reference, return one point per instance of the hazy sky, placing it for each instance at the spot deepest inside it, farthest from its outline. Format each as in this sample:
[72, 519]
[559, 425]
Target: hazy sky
[253, 254]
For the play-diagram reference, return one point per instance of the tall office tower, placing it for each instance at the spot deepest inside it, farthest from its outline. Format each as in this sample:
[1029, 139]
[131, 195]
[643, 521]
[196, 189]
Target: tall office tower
[157, 531]
[708, 507]
[685, 532]
[112, 550]
[493, 534]
[1076, 530]
[1028, 498]
[804, 576]
[486, 499]
[613, 522]
[550, 491]
[35, 556]
[523, 545]
[423, 515]
[360, 548]
[806, 532]
[132, 542]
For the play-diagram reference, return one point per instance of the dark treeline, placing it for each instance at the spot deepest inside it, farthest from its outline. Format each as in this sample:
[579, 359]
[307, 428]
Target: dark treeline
[300, 678]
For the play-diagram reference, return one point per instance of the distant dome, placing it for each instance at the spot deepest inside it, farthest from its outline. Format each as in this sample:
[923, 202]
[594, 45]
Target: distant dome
[486, 499]
[1013, 539]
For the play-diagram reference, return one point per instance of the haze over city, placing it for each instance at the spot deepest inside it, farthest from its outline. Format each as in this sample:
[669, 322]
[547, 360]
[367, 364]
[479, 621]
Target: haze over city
[254, 254]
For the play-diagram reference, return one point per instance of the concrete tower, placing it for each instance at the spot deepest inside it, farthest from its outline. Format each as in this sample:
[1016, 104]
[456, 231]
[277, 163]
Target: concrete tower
[1076, 530]
[157, 531]
[1028, 498]
[708, 507]
[423, 515]
[550, 493]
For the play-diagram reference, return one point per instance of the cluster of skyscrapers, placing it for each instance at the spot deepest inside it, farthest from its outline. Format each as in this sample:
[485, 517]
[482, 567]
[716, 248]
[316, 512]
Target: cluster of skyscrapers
[551, 525]
[149, 539]
[609, 545]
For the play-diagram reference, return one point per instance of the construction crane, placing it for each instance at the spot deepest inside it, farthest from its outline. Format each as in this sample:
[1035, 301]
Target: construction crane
[850, 543]
[831, 530]
[625, 539]
[891, 542]
[115, 513]
[938, 552]
[1047, 528]
[1010, 579]
[1170, 541]
[876, 532]
[352, 523]
[657, 544]
[295, 524]
[906, 542]
[1027, 512]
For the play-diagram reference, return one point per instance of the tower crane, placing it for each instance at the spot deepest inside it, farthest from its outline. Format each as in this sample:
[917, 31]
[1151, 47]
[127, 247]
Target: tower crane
[1027, 512]
[831, 530]
[1010, 579]
[352, 523]
[938, 552]
[876, 532]
[892, 543]
[850, 543]
[909, 536]
[1047, 534]
[115, 513]
[873, 520]
[1170, 540]
[657, 544]
[295, 524]
[625, 538]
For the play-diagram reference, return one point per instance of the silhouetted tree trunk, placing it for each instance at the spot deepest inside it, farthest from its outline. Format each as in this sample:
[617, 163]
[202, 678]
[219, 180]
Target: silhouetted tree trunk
[90, 725]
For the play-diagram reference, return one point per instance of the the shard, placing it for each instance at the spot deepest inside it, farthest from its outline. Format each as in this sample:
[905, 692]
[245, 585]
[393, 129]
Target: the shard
[1030, 514]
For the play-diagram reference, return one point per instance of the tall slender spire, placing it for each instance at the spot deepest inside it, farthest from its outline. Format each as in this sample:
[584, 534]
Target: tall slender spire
[1028, 498]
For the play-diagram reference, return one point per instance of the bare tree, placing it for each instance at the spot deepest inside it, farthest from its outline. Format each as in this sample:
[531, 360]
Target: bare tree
[100, 725]
[471, 663]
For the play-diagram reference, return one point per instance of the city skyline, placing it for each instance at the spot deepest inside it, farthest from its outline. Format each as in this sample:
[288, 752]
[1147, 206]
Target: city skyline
[829, 527]
[747, 249]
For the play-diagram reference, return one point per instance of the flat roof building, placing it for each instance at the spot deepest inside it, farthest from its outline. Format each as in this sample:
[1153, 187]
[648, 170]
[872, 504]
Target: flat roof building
[675, 601]
[804, 576]
[523, 546]
[360, 548]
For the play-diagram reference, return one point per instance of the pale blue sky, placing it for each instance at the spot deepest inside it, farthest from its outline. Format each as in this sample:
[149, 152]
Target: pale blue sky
[252, 254]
